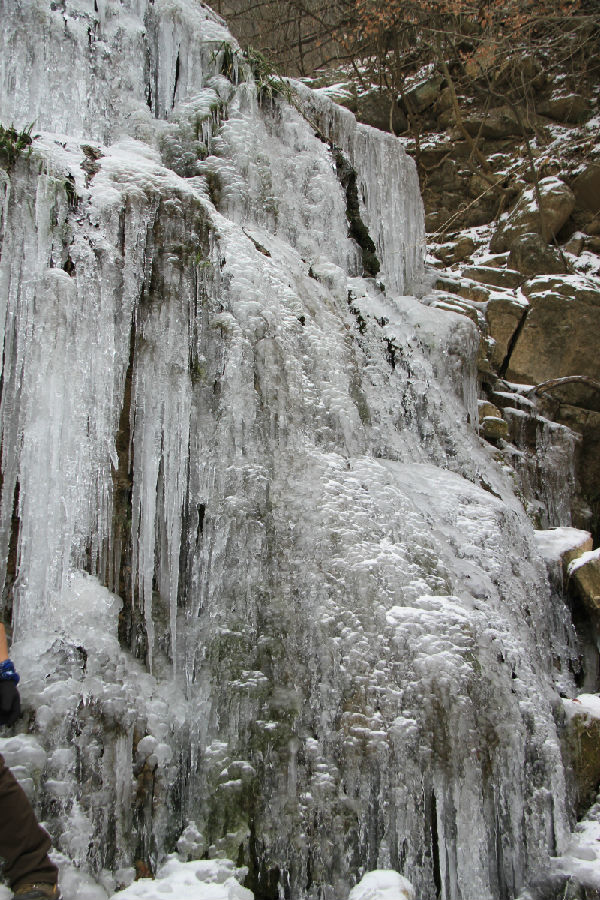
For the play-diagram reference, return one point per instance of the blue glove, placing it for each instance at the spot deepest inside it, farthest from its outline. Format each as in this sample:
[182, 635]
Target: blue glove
[10, 702]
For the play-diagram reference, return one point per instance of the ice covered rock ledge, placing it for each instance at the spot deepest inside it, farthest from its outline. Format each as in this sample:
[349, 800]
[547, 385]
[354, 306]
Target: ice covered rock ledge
[273, 599]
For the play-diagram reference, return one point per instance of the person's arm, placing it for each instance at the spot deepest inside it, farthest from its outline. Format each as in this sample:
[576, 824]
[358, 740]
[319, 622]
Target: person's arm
[3, 644]
[10, 702]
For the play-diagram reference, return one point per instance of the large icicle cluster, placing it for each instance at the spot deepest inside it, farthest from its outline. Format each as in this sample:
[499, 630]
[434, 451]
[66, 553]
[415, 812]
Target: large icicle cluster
[273, 599]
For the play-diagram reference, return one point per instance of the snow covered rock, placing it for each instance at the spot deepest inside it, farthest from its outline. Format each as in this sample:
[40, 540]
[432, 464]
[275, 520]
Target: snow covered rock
[584, 572]
[494, 428]
[559, 547]
[491, 275]
[558, 202]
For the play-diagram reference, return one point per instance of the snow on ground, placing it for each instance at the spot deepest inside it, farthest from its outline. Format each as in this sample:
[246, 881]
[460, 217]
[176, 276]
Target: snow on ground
[382, 884]
[211, 879]
[581, 859]
[588, 704]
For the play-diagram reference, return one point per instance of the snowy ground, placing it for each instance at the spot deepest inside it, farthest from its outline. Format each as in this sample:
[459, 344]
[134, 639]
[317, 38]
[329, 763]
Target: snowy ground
[211, 880]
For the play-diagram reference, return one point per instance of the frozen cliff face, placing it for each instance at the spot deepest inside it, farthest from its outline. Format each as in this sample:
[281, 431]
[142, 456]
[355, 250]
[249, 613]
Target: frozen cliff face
[273, 600]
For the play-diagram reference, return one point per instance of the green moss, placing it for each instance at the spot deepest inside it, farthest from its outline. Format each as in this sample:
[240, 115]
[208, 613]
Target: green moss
[356, 227]
[269, 84]
[228, 61]
[359, 399]
[215, 187]
[198, 373]
[13, 143]
[230, 650]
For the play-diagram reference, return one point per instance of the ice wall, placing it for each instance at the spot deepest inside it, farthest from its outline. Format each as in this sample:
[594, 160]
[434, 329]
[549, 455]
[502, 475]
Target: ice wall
[273, 600]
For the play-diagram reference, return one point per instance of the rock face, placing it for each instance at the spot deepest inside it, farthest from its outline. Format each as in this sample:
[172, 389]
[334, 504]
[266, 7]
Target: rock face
[586, 187]
[495, 124]
[275, 599]
[565, 107]
[582, 736]
[585, 575]
[504, 316]
[558, 202]
[531, 255]
[558, 336]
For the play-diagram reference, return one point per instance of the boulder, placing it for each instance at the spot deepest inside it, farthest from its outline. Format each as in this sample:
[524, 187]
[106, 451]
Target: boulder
[563, 107]
[593, 244]
[463, 248]
[558, 202]
[444, 101]
[491, 424]
[504, 315]
[494, 428]
[583, 545]
[496, 124]
[519, 67]
[582, 740]
[574, 245]
[455, 251]
[497, 261]
[485, 408]
[491, 275]
[586, 187]
[593, 226]
[531, 255]
[425, 93]
[560, 334]
[456, 304]
[374, 107]
[584, 576]
[473, 291]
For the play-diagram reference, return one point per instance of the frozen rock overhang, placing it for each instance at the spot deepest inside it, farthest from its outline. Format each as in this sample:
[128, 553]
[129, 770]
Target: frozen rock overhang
[333, 651]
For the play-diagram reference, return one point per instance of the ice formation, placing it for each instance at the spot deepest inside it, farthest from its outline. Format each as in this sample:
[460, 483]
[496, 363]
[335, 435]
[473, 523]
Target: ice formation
[273, 599]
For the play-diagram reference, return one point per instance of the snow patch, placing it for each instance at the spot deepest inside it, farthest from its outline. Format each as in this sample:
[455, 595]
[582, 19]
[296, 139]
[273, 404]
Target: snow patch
[553, 543]
[586, 557]
[214, 879]
[382, 884]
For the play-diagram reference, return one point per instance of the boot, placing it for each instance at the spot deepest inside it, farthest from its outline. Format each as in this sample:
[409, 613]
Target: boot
[37, 892]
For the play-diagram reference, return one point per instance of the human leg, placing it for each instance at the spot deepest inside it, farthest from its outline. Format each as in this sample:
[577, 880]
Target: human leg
[23, 844]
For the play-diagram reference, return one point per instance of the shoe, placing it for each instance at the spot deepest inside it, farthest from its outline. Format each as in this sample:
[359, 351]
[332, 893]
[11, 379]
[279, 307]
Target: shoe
[37, 892]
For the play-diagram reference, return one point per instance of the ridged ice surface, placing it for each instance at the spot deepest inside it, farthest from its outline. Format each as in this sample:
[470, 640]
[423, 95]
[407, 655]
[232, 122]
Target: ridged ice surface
[337, 649]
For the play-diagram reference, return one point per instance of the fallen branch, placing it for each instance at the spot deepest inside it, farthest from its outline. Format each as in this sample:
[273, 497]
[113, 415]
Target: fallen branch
[568, 379]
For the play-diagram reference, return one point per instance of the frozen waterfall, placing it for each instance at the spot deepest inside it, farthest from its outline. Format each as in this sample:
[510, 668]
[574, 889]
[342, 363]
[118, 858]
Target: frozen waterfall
[273, 600]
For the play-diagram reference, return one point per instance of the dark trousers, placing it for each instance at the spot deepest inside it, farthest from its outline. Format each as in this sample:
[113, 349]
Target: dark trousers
[23, 844]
